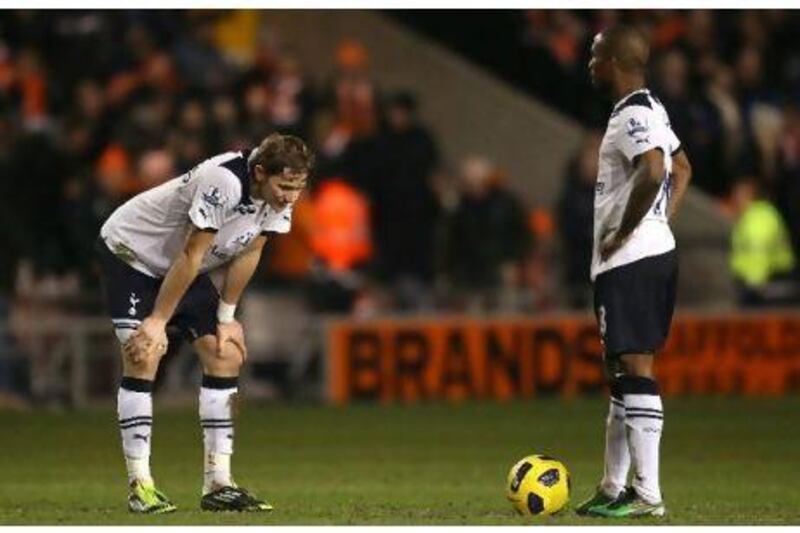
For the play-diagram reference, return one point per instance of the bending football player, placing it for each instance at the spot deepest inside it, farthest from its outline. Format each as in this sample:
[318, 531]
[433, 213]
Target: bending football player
[155, 253]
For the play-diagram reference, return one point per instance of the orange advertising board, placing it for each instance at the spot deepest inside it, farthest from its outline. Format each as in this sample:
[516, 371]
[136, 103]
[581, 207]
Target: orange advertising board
[457, 358]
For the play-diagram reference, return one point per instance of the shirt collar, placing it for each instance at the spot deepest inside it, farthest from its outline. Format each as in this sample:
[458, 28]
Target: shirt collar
[622, 100]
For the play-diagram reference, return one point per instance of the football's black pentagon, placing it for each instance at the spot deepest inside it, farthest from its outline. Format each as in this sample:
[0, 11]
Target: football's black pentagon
[569, 483]
[549, 477]
[535, 503]
[522, 471]
[546, 458]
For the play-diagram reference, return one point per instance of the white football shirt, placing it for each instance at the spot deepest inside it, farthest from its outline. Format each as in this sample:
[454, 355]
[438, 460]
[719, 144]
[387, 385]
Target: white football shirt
[638, 123]
[149, 230]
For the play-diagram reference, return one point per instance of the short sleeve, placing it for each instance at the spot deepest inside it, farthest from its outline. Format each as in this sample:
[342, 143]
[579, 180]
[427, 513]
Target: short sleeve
[280, 222]
[674, 143]
[217, 191]
[639, 129]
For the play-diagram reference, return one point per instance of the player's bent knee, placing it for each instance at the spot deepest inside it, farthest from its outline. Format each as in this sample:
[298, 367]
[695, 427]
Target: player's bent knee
[206, 346]
[227, 360]
[143, 367]
[231, 353]
[640, 365]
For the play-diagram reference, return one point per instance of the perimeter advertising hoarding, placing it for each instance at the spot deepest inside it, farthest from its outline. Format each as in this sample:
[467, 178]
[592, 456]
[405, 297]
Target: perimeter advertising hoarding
[458, 358]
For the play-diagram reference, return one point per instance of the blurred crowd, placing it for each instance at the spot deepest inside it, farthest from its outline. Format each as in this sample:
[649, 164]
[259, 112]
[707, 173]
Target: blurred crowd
[730, 81]
[98, 106]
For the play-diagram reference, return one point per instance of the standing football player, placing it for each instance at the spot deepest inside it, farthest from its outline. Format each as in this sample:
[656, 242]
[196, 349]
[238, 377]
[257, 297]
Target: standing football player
[642, 177]
[155, 254]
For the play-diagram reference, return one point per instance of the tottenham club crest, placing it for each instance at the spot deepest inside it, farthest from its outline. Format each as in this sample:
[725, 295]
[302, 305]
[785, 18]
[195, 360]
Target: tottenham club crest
[133, 300]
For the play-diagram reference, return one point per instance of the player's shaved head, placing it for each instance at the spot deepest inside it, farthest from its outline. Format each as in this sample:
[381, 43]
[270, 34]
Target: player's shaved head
[619, 59]
[627, 46]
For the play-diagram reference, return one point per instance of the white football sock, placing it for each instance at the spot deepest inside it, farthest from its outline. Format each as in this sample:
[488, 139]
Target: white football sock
[617, 457]
[644, 418]
[216, 419]
[135, 415]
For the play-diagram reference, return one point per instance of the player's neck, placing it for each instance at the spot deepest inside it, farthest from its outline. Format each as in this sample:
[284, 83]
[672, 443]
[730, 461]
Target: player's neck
[625, 86]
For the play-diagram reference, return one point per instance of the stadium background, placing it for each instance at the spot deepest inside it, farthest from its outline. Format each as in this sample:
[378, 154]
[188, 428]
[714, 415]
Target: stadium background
[440, 255]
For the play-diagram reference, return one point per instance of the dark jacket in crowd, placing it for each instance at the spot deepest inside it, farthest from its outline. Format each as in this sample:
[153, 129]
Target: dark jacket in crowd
[395, 172]
[485, 233]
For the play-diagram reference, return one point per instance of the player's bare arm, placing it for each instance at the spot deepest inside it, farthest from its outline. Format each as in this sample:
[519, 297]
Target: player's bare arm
[237, 276]
[681, 176]
[151, 338]
[647, 178]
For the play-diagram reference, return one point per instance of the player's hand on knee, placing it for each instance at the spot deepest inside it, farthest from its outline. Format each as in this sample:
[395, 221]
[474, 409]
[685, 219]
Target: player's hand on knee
[139, 350]
[132, 349]
[149, 342]
[234, 333]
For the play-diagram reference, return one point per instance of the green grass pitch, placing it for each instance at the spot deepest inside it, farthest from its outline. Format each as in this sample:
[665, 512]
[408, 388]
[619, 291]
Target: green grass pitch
[725, 461]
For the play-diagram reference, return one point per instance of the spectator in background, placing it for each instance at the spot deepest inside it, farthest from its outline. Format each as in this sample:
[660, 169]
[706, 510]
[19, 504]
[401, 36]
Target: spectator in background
[340, 240]
[488, 232]
[146, 123]
[290, 101]
[762, 260]
[576, 220]
[225, 123]
[88, 124]
[349, 122]
[141, 65]
[255, 110]
[155, 167]
[731, 137]
[190, 140]
[396, 173]
[789, 173]
[32, 87]
[754, 97]
[199, 61]
[355, 96]
[693, 118]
